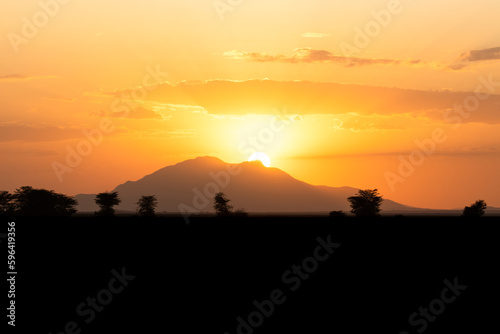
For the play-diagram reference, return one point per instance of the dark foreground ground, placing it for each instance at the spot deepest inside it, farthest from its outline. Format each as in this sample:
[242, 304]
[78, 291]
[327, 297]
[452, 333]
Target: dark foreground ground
[255, 275]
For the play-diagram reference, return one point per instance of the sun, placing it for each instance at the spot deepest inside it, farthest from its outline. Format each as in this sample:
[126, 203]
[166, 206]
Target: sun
[262, 157]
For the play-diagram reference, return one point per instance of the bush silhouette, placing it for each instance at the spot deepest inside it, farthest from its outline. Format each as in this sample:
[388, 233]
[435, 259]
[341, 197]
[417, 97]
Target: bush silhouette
[106, 202]
[146, 206]
[41, 202]
[221, 206]
[475, 210]
[366, 203]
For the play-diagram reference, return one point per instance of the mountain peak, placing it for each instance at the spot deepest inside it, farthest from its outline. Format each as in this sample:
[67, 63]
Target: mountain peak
[205, 159]
[190, 186]
[256, 163]
[210, 161]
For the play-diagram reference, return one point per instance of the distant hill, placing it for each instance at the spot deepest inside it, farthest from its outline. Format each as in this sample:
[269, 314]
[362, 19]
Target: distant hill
[190, 186]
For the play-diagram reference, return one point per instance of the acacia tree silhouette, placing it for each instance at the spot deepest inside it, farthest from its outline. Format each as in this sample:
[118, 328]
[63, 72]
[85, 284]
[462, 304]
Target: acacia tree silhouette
[475, 210]
[146, 206]
[106, 202]
[28, 201]
[366, 203]
[221, 206]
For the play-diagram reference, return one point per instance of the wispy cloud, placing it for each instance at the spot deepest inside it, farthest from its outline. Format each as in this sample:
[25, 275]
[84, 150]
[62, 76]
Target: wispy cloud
[61, 99]
[480, 55]
[460, 151]
[137, 113]
[18, 77]
[374, 122]
[27, 151]
[475, 56]
[26, 132]
[174, 133]
[308, 55]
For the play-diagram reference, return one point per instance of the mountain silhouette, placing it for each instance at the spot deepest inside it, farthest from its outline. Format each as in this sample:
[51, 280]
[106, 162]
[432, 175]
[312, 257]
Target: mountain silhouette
[190, 186]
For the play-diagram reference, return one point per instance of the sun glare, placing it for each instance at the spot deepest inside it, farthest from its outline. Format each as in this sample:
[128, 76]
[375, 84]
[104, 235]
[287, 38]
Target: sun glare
[262, 157]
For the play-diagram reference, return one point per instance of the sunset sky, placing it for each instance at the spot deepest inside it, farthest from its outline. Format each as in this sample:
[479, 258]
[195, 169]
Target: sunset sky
[336, 93]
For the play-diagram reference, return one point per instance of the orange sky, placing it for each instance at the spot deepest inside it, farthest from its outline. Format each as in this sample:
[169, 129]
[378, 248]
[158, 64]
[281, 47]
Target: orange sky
[335, 92]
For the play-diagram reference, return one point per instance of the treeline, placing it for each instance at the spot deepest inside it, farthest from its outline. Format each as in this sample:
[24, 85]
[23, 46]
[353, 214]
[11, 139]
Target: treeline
[28, 201]
[367, 204]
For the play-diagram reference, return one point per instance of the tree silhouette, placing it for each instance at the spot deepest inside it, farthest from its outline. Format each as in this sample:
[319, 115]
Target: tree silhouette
[475, 210]
[6, 203]
[366, 203]
[146, 206]
[106, 202]
[41, 202]
[221, 206]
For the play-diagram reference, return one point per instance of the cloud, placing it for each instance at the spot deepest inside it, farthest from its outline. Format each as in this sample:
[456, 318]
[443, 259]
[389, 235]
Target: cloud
[358, 122]
[18, 77]
[481, 55]
[253, 56]
[176, 133]
[137, 113]
[225, 97]
[134, 110]
[61, 99]
[308, 55]
[475, 56]
[315, 35]
[457, 151]
[7, 149]
[17, 131]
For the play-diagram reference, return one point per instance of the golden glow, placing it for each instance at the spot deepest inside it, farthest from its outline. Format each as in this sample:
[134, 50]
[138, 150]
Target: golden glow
[262, 157]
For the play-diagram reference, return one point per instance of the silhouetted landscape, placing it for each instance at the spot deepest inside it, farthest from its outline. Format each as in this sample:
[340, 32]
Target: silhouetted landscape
[250, 166]
[189, 188]
[255, 188]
